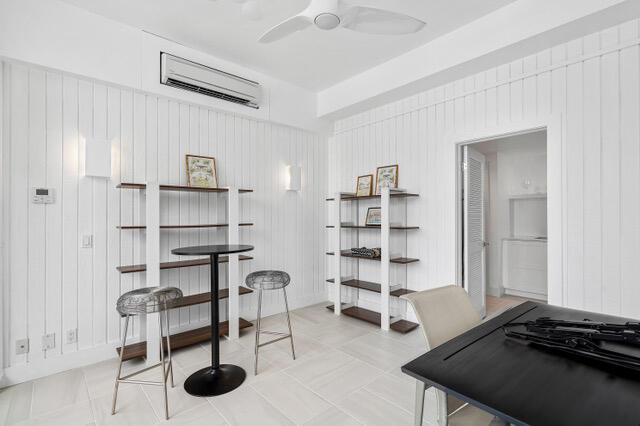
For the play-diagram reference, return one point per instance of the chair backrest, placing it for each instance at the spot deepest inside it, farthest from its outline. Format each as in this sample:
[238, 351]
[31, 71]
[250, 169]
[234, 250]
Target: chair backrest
[443, 313]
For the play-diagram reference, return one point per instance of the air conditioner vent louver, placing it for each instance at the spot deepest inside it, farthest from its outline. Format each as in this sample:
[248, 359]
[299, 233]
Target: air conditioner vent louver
[187, 75]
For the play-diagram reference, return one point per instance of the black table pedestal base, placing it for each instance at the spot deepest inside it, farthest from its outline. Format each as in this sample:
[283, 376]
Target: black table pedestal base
[210, 382]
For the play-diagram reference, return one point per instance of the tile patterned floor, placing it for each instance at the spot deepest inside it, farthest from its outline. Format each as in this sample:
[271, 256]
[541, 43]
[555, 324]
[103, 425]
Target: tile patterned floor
[347, 372]
[496, 305]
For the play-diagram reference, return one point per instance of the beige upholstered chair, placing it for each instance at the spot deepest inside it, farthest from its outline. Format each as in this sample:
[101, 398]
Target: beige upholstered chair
[444, 313]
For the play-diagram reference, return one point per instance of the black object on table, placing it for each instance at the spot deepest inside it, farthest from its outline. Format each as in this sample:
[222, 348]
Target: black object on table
[219, 378]
[528, 385]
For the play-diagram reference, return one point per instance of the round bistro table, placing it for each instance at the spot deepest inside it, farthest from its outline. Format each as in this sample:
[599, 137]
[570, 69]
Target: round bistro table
[219, 378]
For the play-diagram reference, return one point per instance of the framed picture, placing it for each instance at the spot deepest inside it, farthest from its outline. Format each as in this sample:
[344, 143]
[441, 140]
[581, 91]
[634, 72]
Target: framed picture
[201, 171]
[386, 177]
[373, 216]
[364, 186]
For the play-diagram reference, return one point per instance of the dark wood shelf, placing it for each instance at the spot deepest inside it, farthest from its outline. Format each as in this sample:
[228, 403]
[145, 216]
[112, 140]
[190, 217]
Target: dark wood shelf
[184, 188]
[128, 269]
[401, 326]
[212, 225]
[370, 197]
[200, 298]
[180, 340]
[400, 260]
[371, 286]
[378, 227]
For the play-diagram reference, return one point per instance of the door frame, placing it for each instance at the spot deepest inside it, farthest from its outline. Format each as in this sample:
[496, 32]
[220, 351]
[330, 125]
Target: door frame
[556, 187]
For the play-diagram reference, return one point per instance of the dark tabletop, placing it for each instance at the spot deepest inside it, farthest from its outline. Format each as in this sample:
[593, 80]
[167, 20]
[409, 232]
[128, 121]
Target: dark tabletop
[213, 249]
[529, 385]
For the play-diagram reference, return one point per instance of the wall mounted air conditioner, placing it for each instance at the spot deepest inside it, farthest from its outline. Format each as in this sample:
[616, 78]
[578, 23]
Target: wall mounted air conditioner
[188, 75]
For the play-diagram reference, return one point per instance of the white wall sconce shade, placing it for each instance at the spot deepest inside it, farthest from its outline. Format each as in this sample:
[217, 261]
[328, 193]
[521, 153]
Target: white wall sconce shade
[97, 158]
[293, 178]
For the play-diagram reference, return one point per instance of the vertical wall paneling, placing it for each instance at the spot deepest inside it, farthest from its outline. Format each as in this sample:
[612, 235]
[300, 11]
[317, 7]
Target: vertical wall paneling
[56, 286]
[592, 84]
[4, 265]
[53, 212]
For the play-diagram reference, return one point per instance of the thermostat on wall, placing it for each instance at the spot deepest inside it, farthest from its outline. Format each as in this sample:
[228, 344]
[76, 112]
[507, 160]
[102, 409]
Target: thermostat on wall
[42, 196]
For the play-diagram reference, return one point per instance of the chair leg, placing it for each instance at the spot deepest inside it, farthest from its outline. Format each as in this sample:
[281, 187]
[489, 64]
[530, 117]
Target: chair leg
[124, 342]
[166, 321]
[258, 330]
[164, 370]
[419, 402]
[286, 304]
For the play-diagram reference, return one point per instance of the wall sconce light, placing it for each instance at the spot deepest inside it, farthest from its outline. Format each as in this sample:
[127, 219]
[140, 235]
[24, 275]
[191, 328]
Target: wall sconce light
[97, 158]
[293, 178]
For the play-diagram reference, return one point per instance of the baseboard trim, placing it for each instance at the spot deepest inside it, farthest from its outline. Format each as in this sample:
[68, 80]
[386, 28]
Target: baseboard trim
[33, 370]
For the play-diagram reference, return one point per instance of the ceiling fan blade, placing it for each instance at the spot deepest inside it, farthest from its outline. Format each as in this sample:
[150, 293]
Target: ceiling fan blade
[378, 21]
[283, 29]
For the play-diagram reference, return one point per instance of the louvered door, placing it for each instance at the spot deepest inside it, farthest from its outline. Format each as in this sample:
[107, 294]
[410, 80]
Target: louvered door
[474, 238]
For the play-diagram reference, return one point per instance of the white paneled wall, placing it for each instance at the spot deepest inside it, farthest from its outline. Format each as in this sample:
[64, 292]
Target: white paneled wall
[593, 83]
[54, 286]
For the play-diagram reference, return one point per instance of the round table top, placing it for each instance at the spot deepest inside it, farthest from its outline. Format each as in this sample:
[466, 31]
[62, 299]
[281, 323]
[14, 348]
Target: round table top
[213, 249]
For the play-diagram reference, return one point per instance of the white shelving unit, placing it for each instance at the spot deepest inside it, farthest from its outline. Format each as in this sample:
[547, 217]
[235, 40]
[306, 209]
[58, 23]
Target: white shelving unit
[150, 194]
[387, 261]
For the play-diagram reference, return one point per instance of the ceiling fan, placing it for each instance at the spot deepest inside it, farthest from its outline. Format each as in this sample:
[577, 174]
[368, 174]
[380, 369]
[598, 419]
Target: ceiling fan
[330, 14]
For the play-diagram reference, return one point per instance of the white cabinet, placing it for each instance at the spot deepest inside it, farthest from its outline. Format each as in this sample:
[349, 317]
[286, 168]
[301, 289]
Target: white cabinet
[524, 267]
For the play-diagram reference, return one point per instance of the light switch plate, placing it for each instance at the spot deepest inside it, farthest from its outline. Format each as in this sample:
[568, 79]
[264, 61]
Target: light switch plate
[87, 241]
[48, 341]
[22, 346]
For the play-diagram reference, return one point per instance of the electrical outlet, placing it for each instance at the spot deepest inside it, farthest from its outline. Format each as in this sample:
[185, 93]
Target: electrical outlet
[72, 335]
[22, 346]
[48, 341]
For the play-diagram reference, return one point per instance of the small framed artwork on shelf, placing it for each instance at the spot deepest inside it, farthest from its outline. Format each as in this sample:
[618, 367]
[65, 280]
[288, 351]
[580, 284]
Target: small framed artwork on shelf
[386, 177]
[364, 186]
[201, 171]
[374, 217]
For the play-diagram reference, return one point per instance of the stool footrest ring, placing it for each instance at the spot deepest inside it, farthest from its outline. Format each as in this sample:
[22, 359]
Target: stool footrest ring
[274, 340]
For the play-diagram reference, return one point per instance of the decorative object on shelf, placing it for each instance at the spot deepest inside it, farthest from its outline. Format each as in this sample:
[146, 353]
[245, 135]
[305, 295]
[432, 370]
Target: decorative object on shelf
[386, 177]
[364, 186]
[201, 171]
[374, 216]
[293, 178]
[372, 253]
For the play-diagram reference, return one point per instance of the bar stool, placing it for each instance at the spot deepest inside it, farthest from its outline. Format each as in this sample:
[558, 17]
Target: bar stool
[147, 300]
[270, 280]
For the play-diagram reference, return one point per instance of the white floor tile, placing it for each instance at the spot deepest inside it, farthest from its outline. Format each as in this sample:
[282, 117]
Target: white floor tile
[204, 414]
[290, 397]
[245, 407]
[347, 372]
[381, 351]
[179, 400]
[373, 410]
[133, 408]
[57, 391]
[335, 375]
[15, 403]
[71, 415]
[333, 417]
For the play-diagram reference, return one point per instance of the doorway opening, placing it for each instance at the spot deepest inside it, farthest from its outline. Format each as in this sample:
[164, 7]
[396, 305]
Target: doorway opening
[504, 217]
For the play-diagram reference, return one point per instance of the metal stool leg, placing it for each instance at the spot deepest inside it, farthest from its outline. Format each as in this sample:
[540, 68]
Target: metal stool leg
[258, 331]
[124, 342]
[165, 372]
[286, 304]
[166, 319]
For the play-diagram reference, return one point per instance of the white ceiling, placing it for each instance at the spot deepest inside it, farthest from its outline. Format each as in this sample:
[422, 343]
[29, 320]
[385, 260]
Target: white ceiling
[313, 59]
